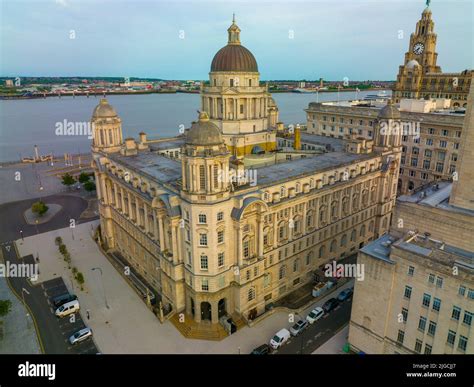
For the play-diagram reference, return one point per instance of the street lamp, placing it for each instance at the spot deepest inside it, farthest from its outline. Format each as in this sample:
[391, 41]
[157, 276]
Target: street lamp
[103, 287]
[23, 291]
[36, 225]
[21, 234]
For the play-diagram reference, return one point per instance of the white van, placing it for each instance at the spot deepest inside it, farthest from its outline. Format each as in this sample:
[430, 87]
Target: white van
[280, 338]
[67, 308]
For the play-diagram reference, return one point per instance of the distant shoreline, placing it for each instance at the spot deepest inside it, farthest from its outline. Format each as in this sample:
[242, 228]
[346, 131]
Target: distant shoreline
[85, 94]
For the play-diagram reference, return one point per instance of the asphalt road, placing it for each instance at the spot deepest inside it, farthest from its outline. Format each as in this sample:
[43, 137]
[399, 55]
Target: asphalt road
[54, 332]
[319, 332]
[12, 219]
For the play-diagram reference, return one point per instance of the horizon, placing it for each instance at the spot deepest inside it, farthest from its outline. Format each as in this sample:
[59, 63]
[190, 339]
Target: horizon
[177, 41]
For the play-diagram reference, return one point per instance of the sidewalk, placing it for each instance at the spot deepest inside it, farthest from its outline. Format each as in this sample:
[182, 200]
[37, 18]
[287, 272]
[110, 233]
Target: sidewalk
[128, 326]
[19, 335]
[335, 344]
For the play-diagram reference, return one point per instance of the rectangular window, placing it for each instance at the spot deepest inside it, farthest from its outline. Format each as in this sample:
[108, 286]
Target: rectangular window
[443, 144]
[432, 328]
[426, 300]
[422, 324]
[451, 337]
[462, 345]
[216, 176]
[462, 290]
[401, 336]
[456, 314]
[407, 293]
[418, 345]
[202, 239]
[246, 249]
[220, 216]
[204, 262]
[220, 259]
[405, 314]
[220, 237]
[439, 282]
[467, 318]
[431, 278]
[436, 304]
[428, 349]
[429, 141]
[202, 218]
[470, 294]
[205, 285]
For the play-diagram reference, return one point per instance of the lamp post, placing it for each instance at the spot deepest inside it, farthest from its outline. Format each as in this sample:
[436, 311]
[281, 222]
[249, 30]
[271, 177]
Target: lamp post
[103, 287]
[23, 291]
[21, 234]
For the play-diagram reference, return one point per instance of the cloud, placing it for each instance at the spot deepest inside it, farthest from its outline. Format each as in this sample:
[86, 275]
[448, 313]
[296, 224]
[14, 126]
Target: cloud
[63, 3]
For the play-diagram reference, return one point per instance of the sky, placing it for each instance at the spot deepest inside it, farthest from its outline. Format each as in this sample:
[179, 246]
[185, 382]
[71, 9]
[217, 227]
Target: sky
[357, 39]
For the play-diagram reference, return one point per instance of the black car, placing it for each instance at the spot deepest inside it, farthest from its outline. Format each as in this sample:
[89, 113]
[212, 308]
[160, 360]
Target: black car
[264, 349]
[63, 298]
[329, 305]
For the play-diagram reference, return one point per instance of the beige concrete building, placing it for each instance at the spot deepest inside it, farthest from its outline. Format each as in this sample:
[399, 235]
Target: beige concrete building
[418, 292]
[421, 77]
[431, 134]
[216, 232]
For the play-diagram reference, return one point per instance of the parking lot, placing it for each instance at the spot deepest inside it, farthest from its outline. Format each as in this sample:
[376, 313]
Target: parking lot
[68, 325]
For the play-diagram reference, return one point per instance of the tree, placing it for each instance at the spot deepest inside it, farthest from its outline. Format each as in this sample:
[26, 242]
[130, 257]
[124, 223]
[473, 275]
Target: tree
[63, 249]
[84, 177]
[68, 180]
[80, 278]
[5, 307]
[39, 208]
[59, 241]
[89, 186]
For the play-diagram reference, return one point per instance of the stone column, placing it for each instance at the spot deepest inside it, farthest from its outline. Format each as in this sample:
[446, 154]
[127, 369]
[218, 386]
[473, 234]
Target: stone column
[103, 189]
[116, 196]
[145, 216]
[137, 209]
[304, 218]
[260, 237]
[174, 243]
[239, 246]
[155, 225]
[316, 215]
[130, 212]
[161, 232]
[214, 312]
[122, 194]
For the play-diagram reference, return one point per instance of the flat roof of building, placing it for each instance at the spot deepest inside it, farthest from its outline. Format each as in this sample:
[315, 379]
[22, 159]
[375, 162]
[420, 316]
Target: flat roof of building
[380, 248]
[164, 144]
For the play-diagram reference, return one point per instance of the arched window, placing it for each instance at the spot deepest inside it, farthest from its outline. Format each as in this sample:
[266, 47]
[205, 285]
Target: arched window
[355, 202]
[322, 251]
[309, 256]
[344, 240]
[345, 206]
[362, 230]
[251, 294]
[353, 235]
[333, 246]
[296, 265]
[384, 223]
[282, 272]
[365, 197]
[334, 209]
[309, 219]
[322, 214]
[371, 226]
[282, 231]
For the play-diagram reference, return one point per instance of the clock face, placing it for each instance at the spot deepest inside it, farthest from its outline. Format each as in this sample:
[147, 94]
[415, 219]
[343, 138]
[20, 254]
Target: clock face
[418, 48]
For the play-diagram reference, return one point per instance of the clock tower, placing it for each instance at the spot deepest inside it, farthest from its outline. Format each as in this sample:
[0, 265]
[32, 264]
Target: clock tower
[422, 47]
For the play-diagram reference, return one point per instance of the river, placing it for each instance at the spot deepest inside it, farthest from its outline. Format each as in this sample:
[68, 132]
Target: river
[25, 123]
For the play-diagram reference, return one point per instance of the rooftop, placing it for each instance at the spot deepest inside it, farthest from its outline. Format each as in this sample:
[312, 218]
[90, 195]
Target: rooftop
[380, 248]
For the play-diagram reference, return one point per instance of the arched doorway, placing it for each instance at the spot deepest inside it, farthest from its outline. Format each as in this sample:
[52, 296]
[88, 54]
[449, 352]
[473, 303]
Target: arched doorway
[206, 311]
[221, 311]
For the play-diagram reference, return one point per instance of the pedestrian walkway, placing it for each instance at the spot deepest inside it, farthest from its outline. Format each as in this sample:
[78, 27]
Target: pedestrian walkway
[18, 335]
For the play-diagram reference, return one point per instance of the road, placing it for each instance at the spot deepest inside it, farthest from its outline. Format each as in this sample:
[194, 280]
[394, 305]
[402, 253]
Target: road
[320, 331]
[12, 220]
[53, 332]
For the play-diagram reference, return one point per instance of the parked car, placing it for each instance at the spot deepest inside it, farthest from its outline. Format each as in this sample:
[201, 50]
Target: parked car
[80, 335]
[63, 299]
[263, 349]
[298, 327]
[280, 338]
[345, 294]
[315, 315]
[67, 308]
[330, 305]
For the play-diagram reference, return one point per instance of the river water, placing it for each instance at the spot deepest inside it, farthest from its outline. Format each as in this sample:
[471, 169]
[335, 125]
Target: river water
[25, 123]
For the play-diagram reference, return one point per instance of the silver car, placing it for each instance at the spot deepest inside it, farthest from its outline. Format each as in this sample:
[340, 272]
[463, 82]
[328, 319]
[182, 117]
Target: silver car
[298, 327]
[81, 335]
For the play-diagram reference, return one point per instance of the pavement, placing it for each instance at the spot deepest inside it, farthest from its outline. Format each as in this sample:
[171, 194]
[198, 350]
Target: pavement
[19, 335]
[119, 318]
[23, 181]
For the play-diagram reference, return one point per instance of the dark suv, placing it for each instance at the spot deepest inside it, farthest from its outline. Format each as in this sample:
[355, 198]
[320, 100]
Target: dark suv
[264, 349]
[62, 299]
[330, 305]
